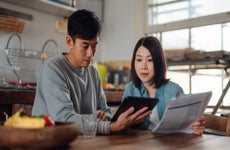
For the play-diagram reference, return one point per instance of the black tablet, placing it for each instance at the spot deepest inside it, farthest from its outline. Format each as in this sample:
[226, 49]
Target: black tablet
[137, 103]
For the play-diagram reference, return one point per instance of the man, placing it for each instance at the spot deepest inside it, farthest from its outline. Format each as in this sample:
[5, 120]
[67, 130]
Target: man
[68, 85]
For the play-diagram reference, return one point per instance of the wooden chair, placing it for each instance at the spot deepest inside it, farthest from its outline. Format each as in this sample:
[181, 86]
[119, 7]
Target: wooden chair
[217, 123]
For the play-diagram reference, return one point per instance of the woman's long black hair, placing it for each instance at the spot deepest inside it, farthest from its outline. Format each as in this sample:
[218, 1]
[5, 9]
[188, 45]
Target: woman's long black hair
[155, 48]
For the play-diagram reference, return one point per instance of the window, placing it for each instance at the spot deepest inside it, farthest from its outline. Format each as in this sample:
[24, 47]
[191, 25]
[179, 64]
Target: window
[165, 11]
[226, 36]
[207, 38]
[197, 24]
[178, 39]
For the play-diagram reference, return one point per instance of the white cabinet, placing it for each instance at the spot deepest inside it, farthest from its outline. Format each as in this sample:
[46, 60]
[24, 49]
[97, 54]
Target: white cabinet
[45, 6]
[59, 9]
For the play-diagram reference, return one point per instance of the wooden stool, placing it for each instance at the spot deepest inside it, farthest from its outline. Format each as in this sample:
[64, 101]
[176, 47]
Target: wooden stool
[217, 123]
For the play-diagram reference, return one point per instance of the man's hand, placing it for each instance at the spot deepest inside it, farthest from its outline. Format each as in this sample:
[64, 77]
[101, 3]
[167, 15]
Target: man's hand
[101, 115]
[128, 118]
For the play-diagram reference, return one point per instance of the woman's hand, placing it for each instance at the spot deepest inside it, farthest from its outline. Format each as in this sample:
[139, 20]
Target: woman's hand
[198, 126]
[101, 115]
[128, 118]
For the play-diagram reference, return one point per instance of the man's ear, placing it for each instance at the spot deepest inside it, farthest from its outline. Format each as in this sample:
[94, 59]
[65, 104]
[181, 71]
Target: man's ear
[69, 42]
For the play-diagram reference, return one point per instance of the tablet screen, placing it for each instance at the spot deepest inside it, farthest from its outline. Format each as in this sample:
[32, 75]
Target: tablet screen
[137, 103]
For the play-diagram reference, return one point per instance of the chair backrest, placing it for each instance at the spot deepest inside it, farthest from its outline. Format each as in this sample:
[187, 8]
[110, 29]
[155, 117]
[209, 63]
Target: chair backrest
[217, 123]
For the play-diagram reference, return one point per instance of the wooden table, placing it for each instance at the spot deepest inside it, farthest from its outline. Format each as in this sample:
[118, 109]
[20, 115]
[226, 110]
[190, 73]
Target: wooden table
[145, 140]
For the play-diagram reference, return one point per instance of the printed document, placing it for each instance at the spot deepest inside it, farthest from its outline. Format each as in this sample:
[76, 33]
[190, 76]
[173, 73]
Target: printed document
[182, 111]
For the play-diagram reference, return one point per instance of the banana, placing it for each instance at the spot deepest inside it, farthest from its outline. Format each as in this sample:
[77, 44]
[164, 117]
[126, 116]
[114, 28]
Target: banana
[19, 121]
[25, 122]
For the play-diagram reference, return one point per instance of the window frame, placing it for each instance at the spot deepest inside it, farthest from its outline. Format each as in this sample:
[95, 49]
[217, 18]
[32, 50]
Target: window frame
[220, 18]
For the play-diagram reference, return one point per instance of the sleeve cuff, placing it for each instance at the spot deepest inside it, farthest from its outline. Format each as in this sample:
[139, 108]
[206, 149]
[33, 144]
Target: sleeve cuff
[103, 127]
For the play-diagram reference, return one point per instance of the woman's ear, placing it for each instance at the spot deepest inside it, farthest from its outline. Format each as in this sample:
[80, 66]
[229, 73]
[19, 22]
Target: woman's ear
[69, 42]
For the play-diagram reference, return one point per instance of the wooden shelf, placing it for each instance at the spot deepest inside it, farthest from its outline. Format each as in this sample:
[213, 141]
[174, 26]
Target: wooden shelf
[194, 60]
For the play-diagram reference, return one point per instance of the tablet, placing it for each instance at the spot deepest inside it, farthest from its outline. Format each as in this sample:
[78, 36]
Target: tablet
[137, 103]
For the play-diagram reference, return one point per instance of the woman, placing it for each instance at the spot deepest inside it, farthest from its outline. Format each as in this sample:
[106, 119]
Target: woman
[148, 71]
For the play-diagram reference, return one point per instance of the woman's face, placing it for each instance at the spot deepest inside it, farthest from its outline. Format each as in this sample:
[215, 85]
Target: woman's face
[144, 65]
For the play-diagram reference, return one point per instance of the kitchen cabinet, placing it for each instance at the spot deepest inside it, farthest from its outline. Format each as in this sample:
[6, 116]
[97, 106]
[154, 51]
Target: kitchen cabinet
[57, 8]
[47, 6]
[12, 100]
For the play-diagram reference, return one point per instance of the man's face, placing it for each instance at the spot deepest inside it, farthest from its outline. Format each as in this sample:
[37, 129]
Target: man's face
[81, 51]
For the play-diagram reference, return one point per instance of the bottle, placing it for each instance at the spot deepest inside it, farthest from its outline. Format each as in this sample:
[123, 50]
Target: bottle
[116, 79]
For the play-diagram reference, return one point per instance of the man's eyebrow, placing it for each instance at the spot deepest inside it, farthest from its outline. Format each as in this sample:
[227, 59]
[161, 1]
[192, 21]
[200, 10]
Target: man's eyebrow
[95, 43]
[85, 42]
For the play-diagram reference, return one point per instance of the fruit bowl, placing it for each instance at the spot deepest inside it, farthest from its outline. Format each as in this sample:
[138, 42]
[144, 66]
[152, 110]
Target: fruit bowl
[59, 135]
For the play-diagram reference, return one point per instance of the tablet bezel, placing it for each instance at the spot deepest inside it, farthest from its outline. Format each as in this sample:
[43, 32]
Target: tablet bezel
[137, 103]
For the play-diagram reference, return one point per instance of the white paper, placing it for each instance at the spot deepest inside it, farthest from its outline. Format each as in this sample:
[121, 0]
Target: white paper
[182, 111]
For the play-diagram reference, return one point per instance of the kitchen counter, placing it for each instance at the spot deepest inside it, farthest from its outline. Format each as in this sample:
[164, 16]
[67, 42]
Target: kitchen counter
[11, 100]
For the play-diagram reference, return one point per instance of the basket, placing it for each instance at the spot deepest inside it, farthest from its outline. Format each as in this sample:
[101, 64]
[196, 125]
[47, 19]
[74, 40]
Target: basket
[8, 23]
[12, 55]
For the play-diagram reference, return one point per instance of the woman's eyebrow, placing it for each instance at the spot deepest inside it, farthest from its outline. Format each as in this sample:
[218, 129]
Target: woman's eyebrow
[138, 55]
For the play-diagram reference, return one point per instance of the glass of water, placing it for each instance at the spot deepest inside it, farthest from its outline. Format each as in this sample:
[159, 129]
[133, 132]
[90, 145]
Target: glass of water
[89, 125]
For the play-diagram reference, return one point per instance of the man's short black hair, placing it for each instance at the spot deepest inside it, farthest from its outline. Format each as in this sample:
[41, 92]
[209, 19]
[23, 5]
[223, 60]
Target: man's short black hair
[83, 24]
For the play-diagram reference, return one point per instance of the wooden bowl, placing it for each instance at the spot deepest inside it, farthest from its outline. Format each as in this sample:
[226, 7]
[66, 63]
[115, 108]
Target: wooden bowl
[59, 135]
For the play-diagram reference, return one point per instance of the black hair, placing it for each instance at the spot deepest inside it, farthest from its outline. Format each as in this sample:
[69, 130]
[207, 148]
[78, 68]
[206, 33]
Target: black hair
[155, 48]
[84, 24]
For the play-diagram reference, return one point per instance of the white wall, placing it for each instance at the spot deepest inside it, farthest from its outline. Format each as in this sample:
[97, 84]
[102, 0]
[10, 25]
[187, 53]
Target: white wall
[34, 35]
[117, 33]
[122, 26]
[37, 31]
